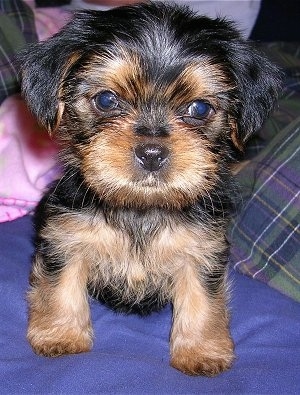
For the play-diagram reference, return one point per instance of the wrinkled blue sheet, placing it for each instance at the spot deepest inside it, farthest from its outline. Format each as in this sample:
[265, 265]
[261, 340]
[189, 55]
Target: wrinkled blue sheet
[131, 354]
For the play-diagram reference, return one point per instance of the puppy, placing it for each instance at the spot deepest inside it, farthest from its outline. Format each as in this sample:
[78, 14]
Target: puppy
[150, 105]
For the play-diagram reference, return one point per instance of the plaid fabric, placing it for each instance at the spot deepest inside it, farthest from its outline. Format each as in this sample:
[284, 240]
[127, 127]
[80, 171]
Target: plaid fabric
[265, 237]
[16, 29]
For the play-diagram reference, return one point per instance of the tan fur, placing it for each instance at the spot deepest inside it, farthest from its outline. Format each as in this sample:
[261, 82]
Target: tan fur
[200, 338]
[59, 319]
[60, 111]
[124, 75]
[116, 177]
[171, 263]
[95, 253]
[150, 106]
[193, 166]
[235, 135]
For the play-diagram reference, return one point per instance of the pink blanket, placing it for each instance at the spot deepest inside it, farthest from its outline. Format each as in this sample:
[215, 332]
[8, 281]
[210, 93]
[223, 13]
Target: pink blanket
[27, 155]
[27, 160]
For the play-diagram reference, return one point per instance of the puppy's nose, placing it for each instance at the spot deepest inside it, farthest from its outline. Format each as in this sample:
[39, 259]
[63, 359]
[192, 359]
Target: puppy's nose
[151, 156]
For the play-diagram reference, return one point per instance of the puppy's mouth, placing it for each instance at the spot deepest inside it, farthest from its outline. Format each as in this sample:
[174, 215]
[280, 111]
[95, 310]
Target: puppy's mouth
[152, 179]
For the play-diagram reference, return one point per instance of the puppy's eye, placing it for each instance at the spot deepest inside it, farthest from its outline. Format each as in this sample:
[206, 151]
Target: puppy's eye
[197, 112]
[199, 109]
[106, 101]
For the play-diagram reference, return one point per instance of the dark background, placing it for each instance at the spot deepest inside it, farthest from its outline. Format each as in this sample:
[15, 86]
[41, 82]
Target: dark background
[278, 20]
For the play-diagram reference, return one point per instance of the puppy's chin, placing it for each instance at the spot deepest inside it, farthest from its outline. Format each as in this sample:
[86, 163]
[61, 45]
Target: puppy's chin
[143, 189]
[148, 191]
[151, 180]
[143, 194]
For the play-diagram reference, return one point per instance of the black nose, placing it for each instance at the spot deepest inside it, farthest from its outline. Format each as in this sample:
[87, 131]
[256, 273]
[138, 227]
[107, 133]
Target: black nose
[151, 156]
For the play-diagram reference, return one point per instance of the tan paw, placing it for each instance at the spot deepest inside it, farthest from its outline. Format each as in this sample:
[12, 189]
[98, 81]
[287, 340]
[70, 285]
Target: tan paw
[197, 361]
[57, 341]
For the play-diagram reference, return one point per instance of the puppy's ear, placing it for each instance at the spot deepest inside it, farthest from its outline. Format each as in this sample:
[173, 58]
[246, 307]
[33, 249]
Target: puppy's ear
[44, 66]
[258, 82]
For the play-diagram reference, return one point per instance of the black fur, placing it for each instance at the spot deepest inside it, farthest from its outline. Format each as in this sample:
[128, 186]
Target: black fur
[257, 80]
[190, 37]
[139, 215]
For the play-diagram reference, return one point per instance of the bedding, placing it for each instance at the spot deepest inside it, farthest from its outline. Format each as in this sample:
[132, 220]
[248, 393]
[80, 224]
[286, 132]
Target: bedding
[265, 236]
[27, 159]
[17, 28]
[131, 354]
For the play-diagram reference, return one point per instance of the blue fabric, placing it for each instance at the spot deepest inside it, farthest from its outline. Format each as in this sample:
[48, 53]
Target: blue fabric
[131, 354]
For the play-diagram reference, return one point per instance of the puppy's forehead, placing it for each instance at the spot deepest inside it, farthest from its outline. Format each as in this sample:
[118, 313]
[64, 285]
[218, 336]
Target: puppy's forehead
[156, 56]
[134, 73]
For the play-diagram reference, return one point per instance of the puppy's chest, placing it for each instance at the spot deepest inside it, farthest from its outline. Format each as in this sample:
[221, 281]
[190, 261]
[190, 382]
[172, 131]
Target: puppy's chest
[127, 247]
[135, 244]
[133, 248]
[131, 260]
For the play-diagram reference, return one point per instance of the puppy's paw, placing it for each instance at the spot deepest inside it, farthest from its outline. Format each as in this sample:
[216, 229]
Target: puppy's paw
[200, 361]
[57, 341]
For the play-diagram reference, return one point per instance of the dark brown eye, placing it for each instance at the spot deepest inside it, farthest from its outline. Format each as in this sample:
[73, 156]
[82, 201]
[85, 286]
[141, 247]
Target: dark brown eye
[106, 101]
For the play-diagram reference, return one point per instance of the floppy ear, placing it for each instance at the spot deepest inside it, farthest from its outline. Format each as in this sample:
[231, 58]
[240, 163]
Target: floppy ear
[258, 82]
[43, 69]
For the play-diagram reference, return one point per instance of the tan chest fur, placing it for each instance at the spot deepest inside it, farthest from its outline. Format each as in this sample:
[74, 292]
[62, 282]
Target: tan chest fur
[109, 257]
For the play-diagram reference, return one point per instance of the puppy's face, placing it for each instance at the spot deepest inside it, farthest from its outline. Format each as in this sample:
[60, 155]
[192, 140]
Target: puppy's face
[150, 102]
[145, 133]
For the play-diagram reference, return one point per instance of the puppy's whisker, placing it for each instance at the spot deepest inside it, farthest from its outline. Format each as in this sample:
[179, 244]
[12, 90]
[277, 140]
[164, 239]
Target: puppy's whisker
[94, 197]
[210, 199]
[85, 195]
[76, 193]
[221, 203]
[61, 181]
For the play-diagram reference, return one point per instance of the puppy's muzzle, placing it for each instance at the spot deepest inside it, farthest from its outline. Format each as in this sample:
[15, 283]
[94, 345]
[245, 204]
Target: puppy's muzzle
[151, 157]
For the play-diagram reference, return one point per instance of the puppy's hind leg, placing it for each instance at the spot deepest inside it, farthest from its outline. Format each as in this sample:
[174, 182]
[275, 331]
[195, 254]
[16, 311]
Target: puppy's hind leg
[59, 315]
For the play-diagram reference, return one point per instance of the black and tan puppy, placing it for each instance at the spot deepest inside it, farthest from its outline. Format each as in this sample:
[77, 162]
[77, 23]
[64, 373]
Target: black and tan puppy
[150, 104]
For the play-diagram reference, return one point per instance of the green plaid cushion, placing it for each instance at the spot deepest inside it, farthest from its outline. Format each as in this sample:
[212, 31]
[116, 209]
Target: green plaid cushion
[266, 236]
[16, 29]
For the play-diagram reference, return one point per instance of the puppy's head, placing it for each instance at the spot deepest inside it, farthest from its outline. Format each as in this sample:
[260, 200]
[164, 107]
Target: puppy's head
[150, 101]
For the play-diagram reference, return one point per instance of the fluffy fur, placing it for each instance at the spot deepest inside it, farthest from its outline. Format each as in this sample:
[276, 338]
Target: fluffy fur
[150, 104]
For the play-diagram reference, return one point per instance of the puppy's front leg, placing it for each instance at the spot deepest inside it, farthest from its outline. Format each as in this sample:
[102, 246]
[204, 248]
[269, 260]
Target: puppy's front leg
[200, 338]
[59, 315]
